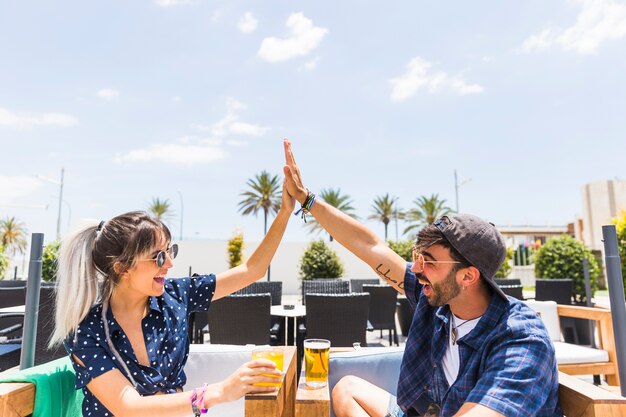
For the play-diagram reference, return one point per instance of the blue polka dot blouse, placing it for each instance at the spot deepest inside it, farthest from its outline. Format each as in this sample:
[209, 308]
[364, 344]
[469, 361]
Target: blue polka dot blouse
[165, 331]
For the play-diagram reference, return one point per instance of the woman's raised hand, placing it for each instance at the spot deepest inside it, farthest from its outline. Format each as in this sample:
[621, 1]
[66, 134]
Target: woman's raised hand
[293, 180]
[289, 202]
[241, 381]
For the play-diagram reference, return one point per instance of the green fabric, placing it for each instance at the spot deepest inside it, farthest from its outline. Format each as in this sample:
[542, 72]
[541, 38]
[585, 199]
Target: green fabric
[55, 394]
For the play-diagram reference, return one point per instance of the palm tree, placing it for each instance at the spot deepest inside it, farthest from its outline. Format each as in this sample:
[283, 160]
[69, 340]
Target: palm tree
[161, 209]
[384, 209]
[336, 199]
[264, 194]
[13, 235]
[427, 210]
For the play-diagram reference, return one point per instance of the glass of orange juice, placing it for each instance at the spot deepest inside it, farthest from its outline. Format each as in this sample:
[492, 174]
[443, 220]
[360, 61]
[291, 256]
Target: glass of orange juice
[274, 354]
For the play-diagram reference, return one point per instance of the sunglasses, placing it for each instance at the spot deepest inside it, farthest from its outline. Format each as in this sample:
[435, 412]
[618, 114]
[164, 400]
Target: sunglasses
[161, 256]
[420, 262]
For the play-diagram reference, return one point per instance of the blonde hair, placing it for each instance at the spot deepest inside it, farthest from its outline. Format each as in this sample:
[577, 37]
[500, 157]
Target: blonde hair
[87, 270]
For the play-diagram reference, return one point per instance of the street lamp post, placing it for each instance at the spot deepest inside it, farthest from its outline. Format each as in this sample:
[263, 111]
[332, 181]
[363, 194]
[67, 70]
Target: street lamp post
[60, 184]
[180, 194]
[457, 186]
[395, 214]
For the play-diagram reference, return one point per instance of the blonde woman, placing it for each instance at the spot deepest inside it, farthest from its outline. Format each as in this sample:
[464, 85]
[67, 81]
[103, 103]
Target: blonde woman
[125, 324]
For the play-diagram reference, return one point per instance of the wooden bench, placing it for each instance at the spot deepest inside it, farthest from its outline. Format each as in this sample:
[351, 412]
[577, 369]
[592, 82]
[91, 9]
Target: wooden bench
[604, 326]
[17, 399]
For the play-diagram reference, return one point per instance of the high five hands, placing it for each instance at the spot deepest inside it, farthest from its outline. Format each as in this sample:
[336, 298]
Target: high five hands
[293, 179]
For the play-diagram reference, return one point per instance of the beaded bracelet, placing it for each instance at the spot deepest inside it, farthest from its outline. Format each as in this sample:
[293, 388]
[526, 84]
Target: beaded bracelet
[306, 205]
[198, 400]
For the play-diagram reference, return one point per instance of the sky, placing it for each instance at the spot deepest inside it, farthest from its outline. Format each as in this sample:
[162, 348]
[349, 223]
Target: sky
[188, 99]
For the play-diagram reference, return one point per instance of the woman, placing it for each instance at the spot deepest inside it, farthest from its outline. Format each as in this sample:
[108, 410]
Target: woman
[125, 325]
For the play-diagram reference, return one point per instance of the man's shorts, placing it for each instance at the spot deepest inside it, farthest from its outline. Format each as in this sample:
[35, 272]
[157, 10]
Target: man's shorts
[393, 409]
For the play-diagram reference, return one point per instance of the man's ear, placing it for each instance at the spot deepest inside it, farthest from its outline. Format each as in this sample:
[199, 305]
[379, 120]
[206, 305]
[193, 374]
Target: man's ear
[471, 275]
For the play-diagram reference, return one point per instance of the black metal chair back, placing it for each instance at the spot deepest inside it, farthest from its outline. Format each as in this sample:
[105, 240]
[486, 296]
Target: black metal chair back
[507, 281]
[45, 326]
[12, 296]
[340, 318]
[240, 320]
[515, 291]
[559, 290]
[324, 286]
[356, 285]
[274, 288]
[12, 283]
[382, 315]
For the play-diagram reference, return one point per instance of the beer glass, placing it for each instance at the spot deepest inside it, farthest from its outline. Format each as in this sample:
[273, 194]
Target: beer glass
[274, 354]
[316, 362]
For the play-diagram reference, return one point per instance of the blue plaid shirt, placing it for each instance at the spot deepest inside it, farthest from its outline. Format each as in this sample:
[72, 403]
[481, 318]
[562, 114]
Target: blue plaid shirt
[507, 361]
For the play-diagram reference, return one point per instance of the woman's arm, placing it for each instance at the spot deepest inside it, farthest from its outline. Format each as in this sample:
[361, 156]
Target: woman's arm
[255, 267]
[116, 393]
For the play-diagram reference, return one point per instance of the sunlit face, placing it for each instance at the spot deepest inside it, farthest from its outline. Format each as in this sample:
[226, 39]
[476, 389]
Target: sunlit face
[146, 276]
[437, 272]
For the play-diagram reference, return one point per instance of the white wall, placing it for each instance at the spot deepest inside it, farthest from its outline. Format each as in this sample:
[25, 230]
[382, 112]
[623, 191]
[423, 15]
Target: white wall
[210, 257]
[602, 201]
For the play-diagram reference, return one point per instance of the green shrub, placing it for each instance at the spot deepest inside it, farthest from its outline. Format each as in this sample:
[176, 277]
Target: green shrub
[620, 226]
[505, 269]
[235, 250]
[320, 261]
[562, 257]
[49, 261]
[404, 248]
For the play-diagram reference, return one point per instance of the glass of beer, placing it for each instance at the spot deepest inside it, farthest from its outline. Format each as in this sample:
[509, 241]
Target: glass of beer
[274, 354]
[316, 362]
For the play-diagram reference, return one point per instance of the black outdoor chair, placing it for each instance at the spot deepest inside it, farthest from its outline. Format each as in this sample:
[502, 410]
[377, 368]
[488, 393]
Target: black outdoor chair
[12, 296]
[507, 281]
[559, 290]
[240, 320]
[356, 285]
[382, 316]
[515, 291]
[274, 288]
[45, 326]
[340, 318]
[12, 283]
[324, 286]
[11, 325]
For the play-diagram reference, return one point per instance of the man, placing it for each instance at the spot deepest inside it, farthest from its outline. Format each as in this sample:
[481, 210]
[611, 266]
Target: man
[471, 350]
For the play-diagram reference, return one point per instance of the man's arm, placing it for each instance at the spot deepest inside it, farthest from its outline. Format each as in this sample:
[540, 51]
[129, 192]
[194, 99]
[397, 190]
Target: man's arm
[477, 410]
[357, 238]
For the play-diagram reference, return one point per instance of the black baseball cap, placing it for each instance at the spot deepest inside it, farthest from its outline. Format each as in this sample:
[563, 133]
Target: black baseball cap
[478, 241]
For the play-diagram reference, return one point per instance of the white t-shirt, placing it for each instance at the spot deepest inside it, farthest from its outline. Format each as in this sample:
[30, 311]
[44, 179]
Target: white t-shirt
[451, 360]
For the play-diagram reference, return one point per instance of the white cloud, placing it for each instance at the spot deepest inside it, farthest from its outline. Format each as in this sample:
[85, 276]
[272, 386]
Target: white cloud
[597, 22]
[311, 65]
[176, 99]
[13, 119]
[170, 3]
[108, 93]
[230, 123]
[15, 187]
[247, 24]
[237, 143]
[417, 77]
[302, 38]
[187, 151]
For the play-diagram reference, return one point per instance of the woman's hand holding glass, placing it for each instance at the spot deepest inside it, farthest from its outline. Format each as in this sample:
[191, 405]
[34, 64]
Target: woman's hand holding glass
[242, 381]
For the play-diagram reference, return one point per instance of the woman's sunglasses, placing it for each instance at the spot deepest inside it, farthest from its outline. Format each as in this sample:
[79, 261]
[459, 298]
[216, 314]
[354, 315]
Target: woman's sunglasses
[161, 256]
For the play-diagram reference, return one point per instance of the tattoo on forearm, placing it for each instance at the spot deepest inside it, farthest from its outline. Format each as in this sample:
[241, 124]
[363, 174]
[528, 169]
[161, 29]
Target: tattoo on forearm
[387, 278]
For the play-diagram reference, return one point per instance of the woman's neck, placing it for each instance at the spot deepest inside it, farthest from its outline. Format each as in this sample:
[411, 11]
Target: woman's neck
[124, 305]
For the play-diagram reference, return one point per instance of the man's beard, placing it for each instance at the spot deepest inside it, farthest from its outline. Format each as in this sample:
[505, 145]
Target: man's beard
[445, 290]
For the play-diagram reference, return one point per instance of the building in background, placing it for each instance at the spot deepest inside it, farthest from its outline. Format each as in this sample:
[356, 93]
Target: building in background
[602, 202]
